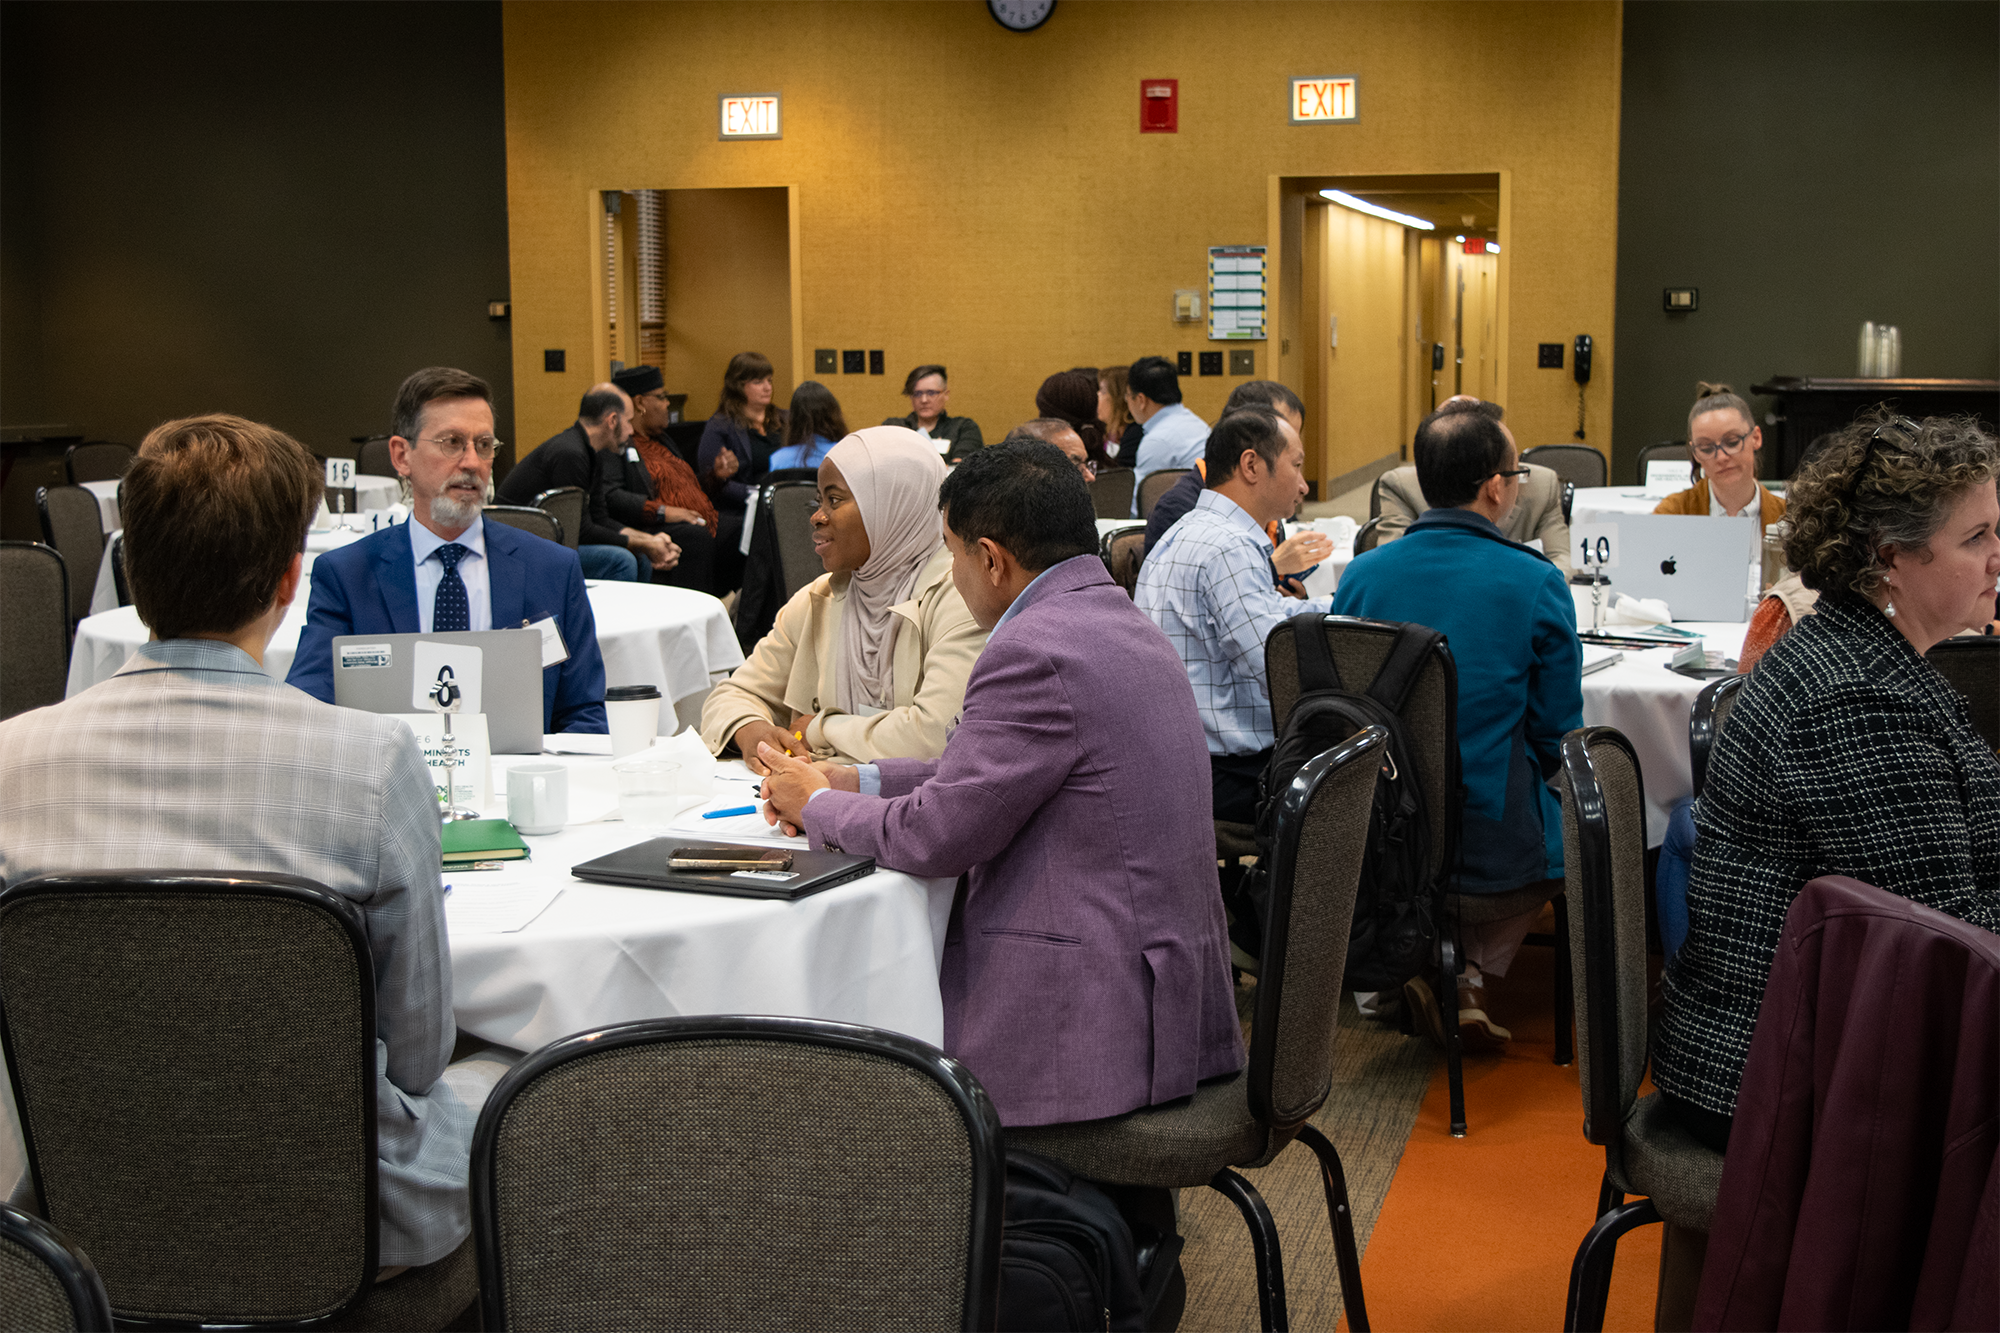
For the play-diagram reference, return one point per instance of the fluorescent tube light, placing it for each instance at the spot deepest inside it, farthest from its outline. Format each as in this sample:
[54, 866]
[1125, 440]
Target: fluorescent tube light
[1492, 247]
[1346, 200]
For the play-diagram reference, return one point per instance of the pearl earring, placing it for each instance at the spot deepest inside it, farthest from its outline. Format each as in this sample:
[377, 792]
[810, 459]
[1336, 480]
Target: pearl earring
[1889, 602]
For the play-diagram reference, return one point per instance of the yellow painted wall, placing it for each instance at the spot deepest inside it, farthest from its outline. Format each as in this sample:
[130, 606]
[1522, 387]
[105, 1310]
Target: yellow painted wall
[984, 199]
[728, 290]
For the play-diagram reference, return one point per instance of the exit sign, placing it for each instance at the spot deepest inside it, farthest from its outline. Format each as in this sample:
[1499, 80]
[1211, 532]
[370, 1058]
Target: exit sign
[750, 116]
[1323, 101]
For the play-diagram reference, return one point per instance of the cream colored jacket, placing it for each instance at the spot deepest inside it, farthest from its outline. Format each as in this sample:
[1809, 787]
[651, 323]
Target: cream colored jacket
[791, 672]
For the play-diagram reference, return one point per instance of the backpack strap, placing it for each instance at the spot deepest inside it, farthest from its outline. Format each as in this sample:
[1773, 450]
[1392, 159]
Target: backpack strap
[1398, 674]
[1316, 667]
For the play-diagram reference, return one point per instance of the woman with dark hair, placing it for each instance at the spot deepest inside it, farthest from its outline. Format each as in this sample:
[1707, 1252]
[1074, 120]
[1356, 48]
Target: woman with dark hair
[1071, 395]
[1121, 433]
[930, 392]
[815, 422]
[737, 443]
[1846, 753]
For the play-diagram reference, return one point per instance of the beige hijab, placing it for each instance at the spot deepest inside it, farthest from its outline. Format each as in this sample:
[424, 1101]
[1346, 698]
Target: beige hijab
[893, 474]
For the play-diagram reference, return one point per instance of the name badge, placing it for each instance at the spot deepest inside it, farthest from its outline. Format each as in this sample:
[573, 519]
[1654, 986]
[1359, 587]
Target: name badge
[553, 651]
[631, 453]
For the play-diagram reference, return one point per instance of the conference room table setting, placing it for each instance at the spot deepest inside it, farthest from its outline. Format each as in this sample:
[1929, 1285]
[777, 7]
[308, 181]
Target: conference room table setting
[1591, 504]
[370, 492]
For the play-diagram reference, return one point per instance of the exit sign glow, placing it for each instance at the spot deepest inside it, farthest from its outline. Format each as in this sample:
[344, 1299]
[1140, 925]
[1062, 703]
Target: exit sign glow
[750, 116]
[1321, 101]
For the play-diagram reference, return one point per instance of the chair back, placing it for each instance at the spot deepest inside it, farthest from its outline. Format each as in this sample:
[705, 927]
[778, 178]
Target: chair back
[527, 518]
[97, 460]
[791, 504]
[34, 607]
[1322, 834]
[1972, 665]
[738, 1173]
[1123, 550]
[118, 580]
[1604, 877]
[74, 525]
[1669, 451]
[565, 504]
[1111, 492]
[1711, 709]
[1156, 485]
[45, 1282]
[778, 474]
[1369, 536]
[374, 459]
[685, 436]
[193, 1060]
[1430, 718]
[1577, 464]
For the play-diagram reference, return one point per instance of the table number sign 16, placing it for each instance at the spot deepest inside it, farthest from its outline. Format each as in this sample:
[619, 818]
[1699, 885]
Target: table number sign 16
[339, 474]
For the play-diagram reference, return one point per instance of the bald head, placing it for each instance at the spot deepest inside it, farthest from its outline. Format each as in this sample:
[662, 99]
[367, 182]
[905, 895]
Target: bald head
[606, 416]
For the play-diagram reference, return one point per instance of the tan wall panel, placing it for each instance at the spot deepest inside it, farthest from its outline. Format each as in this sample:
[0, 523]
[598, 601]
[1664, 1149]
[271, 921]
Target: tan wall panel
[728, 290]
[984, 199]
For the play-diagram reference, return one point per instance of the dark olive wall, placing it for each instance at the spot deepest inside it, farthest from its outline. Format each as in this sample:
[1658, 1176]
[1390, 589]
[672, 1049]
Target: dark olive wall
[1808, 167]
[277, 210]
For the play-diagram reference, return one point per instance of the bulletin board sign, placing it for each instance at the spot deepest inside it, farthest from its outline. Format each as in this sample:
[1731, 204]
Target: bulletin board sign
[1237, 292]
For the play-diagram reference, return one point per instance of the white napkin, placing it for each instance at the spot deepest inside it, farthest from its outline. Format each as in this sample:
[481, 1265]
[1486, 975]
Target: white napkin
[1628, 610]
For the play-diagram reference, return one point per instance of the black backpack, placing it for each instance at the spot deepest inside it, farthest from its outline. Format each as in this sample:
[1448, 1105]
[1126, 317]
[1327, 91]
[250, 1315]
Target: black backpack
[1068, 1259]
[1395, 927]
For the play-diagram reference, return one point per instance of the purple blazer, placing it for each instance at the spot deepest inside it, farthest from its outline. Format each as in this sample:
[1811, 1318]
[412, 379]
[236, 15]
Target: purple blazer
[1086, 971]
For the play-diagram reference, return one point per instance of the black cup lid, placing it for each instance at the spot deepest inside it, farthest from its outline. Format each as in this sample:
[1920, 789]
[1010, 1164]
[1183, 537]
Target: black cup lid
[618, 694]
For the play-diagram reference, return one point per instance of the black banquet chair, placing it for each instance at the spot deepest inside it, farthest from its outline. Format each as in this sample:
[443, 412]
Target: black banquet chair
[1123, 550]
[97, 460]
[47, 1285]
[1971, 662]
[1156, 485]
[1112, 493]
[1711, 710]
[1369, 536]
[791, 507]
[374, 458]
[736, 1172]
[529, 519]
[1247, 1121]
[209, 1188]
[566, 505]
[35, 645]
[1578, 464]
[74, 525]
[1670, 451]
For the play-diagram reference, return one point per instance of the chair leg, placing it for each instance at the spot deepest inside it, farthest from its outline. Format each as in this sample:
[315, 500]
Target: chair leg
[1340, 1216]
[1590, 1274]
[1609, 1196]
[1263, 1243]
[1565, 995]
[1449, 966]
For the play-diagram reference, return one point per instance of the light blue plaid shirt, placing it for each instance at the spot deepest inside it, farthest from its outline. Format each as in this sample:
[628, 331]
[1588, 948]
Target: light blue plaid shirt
[1209, 586]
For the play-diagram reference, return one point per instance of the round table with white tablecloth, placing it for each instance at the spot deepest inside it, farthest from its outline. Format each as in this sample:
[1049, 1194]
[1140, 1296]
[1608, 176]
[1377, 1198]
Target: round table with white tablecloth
[1591, 503]
[649, 634]
[107, 503]
[318, 543]
[372, 492]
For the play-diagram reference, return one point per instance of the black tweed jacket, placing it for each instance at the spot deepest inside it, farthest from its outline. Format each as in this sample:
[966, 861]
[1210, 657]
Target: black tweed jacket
[1846, 754]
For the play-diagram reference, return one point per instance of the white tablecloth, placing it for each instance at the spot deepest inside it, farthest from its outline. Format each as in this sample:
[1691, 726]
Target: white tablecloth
[1592, 501]
[649, 634]
[1652, 705]
[105, 595]
[371, 492]
[107, 504]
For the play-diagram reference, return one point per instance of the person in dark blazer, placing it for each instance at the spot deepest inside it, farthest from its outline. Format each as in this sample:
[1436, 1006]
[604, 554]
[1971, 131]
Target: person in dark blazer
[1846, 752]
[652, 488]
[445, 569]
[1085, 974]
[603, 425]
[738, 441]
[930, 392]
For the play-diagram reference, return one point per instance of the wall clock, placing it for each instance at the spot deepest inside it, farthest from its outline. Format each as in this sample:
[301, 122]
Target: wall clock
[1021, 15]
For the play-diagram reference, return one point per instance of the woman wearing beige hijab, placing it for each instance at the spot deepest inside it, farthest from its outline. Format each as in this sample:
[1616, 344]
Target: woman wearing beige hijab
[868, 661]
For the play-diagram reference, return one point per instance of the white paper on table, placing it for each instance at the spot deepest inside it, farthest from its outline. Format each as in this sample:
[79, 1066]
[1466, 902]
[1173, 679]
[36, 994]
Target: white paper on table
[477, 905]
[576, 742]
[749, 828]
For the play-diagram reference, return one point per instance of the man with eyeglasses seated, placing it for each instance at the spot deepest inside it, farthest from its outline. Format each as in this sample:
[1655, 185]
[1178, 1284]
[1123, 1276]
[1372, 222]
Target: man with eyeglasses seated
[1050, 430]
[1536, 517]
[445, 569]
[1505, 610]
[1723, 441]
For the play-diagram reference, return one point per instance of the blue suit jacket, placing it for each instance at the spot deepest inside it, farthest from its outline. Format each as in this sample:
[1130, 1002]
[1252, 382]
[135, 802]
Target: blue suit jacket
[370, 587]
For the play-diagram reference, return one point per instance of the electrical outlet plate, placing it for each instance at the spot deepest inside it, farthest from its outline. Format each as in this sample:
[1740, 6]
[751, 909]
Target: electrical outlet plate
[1548, 356]
[826, 361]
[1680, 300]
[876, 362]
[853, 363]
[552, 360]
[1184, 363]
[1242, 361]
[1211, 363]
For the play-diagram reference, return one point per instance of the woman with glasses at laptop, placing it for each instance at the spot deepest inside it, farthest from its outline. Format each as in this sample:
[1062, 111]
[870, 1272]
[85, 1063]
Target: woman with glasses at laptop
[1846, 753]
[868, 661]
[1723, 440]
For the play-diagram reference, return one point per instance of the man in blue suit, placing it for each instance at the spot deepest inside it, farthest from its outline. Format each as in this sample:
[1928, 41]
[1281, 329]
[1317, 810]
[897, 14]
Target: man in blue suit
[445, 569]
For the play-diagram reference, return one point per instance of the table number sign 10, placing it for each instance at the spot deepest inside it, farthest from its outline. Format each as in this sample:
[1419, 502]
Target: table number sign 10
[1594, 546]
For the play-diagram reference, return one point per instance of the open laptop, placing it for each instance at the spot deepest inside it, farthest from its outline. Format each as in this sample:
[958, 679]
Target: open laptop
[499, 673]
[1699, 565]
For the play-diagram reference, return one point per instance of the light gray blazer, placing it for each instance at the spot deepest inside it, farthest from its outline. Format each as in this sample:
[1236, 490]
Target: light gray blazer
[191, 757]
[1539, 512]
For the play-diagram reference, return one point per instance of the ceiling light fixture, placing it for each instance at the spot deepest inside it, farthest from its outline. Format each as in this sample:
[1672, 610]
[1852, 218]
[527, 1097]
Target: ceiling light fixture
[1346, 200]
[1492, 248]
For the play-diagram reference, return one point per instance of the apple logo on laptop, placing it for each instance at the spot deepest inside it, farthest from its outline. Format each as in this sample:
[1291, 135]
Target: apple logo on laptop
[1667, 565]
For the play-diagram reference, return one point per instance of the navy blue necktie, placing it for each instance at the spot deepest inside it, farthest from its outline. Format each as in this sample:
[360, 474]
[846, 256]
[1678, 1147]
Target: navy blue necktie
[451, 611]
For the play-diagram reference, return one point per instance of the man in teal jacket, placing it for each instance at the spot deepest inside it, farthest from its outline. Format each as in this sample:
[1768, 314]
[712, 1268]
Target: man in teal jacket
[1506, 612]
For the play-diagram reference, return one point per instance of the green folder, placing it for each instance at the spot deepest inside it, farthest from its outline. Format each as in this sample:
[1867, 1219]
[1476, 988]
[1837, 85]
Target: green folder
[468, 840]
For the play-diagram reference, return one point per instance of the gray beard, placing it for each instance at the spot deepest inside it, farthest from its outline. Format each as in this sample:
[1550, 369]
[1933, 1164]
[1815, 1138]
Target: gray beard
[447, 510]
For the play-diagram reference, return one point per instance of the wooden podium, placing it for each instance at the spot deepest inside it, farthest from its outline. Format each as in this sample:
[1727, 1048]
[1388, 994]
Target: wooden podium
[1810, 408]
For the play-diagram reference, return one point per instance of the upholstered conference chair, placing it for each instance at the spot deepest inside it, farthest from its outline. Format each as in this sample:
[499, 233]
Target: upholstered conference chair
[1668, 451]
[1578, 464]
[790, 508]
[374, 459]
[1369, 537]
[529, 519]
[1248, 1120]
[1112, 492]
[74, 525]
[1156, 485]
[1122, 550]
[1971, 663]
[1711, 710]
[97, 460]
[47, 1285]
[565, 504]
[208, 1187]
[34, 606]
[709, 1173]
[1646, 1152]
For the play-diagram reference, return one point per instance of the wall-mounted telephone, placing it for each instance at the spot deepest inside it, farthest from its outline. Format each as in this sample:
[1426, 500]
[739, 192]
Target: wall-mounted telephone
[1437, 356]
[1580, 359]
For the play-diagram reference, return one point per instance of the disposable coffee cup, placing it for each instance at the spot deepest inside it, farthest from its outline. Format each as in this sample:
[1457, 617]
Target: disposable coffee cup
[538, 797]
[633, 714]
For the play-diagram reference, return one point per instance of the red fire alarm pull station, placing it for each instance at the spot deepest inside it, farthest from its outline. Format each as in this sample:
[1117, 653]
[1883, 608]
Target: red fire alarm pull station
[1159, 106]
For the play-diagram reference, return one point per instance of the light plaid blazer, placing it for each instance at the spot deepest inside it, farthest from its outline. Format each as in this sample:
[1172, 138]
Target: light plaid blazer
[191, 757]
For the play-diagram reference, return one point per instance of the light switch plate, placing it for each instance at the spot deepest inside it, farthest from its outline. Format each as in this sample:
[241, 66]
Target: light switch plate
[826, 361]
[1242, 361]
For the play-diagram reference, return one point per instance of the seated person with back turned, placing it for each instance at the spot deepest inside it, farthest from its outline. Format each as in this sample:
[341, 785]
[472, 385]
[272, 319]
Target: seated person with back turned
[1209, 586]
[1846, 753]
[1086, 972]
[445, 569]
[868, 661]
[1506, 613]
[191, 757]
[603, 425]
[1173, 435]
[650, 487]
[1537, 517]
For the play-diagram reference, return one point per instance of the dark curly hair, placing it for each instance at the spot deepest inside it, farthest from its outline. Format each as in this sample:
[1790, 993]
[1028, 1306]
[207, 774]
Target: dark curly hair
[1883, 481]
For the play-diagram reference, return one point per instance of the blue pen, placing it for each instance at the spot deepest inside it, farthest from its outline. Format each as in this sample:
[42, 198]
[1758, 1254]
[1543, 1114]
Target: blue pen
[732, 810]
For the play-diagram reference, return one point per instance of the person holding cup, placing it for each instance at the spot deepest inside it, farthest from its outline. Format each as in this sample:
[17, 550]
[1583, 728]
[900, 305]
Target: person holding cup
[870, 660]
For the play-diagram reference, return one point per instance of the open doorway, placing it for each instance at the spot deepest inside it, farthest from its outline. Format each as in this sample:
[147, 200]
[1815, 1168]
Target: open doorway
[1380, 320]
[689, 278]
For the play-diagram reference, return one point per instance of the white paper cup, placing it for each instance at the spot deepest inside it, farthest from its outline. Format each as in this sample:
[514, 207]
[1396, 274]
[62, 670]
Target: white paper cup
[632, 713]
[538, 797]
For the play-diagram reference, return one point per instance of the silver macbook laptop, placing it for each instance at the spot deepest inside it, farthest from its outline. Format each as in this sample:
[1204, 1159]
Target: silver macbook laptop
[498, 672]
[1697, 564]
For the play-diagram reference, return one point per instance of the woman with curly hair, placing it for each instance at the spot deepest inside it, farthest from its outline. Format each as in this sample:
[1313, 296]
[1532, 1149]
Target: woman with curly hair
[1847, 753]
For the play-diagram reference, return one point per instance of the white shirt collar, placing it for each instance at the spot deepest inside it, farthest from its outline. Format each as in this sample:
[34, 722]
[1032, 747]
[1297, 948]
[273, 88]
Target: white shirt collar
[424, 543]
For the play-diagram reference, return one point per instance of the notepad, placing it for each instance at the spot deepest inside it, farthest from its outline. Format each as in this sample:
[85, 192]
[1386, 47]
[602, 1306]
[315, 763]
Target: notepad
[481, 840]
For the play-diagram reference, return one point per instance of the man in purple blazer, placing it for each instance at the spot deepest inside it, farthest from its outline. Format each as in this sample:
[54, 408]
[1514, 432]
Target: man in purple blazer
[1086, 970]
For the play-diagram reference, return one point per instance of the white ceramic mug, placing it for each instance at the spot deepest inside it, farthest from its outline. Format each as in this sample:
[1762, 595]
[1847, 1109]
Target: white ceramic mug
[538, 797]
